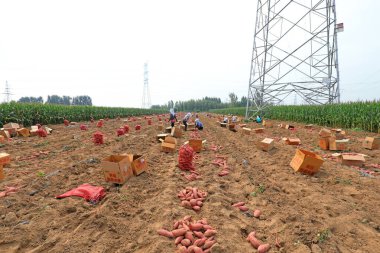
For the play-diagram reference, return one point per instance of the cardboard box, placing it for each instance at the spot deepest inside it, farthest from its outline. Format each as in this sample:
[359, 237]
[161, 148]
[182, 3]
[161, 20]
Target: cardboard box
[161, 136]
[258, 130]
[310, 126]
[12, 128]
[293, 141]
[232, 127]
[160, 127]
[246, 131]
[5, 133]
[339, 136]
[169, 144]
[2, 175]
[196, 145]
[243, 125]
[138, 164]
[352, 160]
[2, 139]
[168, 130]
[338, 144]
[371, 143]
[23, 132]
[223, 124]
[324, 143]
[267, 144]
[5, 158]
[176, 132]
[324, 133]
[34, 127]
[306, 162]
[267, 124]
[289, 127]
[33, 132]
[117, 168]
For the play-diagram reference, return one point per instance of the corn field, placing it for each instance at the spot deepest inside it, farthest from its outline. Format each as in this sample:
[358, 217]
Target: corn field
[353, 115]
[31, 114]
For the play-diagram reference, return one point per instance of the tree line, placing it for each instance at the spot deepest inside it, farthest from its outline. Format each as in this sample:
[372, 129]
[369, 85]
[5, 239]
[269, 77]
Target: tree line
[204, 104]
[55, 99]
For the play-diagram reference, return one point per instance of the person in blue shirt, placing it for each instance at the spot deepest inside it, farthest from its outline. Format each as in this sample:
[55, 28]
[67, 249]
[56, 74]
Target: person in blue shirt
[198, 124]
[173, 117]
[258, 119]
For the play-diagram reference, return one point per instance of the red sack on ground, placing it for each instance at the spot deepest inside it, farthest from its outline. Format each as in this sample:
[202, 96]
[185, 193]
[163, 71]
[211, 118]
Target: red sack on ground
[90, 193]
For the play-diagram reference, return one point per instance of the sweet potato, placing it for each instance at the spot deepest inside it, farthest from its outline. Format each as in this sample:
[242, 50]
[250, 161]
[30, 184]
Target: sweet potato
[199, 203]
[176, 224]
[193, 202]
[254, 242]
[263, 248]
[186, 242]
[256, 213]
[200, 242]
[179, 232]
[251, 234]
[208, 244]
[238, 204]
[207, 227]
[189, 235]
[186, 204]
[198, 234]
[196, 208]
[165, 232]
[210, 232]
[195, 226]
[182, 249]
[243, 208]
[178, 239]
[197, 250]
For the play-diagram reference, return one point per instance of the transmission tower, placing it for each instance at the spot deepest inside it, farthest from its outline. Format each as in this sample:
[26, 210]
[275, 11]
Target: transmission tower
[7, 92]
[295, 51]
[146, 94]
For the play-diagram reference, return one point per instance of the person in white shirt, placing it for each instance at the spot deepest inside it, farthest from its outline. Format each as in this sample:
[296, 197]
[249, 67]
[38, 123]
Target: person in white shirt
[185, 119]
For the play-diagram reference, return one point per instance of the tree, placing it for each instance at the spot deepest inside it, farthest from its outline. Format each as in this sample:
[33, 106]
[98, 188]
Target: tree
[233, 99]
[31, 100]
[82, 100]
[243, 101]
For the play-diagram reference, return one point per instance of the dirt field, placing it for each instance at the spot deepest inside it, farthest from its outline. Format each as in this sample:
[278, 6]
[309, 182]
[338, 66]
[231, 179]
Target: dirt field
[336, 210]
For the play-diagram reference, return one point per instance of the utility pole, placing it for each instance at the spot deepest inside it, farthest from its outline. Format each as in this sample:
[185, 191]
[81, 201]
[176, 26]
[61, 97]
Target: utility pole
[146, 103]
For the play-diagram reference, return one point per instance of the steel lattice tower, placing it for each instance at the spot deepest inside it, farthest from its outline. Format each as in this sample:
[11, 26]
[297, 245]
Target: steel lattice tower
[295, 51]
[146, 103]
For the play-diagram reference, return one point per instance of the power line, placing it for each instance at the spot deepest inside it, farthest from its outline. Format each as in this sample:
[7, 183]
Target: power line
[7, 92]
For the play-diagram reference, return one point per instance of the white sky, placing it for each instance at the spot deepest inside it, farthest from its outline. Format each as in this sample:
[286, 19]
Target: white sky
[194, 49]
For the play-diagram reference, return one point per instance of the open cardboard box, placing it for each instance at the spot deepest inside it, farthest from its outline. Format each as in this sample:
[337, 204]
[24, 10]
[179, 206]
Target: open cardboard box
[196, 144]
[293, 141]
[176, 132]
[247, 131]
[337, 144]
[5, 158]
[169, 144]
[117, 168]
[138, 163]
[352, 159]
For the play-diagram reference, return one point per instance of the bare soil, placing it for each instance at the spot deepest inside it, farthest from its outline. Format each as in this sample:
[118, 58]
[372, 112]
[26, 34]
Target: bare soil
[336, 210]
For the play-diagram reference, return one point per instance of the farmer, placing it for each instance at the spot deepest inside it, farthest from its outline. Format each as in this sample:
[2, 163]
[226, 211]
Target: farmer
[225, 120]
[172, 117]
[185, 119]
[234, 119]
[198, 124]
[258, 119]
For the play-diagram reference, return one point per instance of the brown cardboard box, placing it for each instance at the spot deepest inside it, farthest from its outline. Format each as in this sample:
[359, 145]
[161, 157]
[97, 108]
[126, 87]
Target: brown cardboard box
[161, 136]
[246, 131]
[117, 169]
[267, 124]
[324, 133]
[2, 175]
[5, 158]
[289, 127]
[243, 125]
[339, 136]
[168, 130]
[324, 143]
[23, 132]
[12, 128]
[223, 124]
[267, 144]
[33, 132]
[258, 130]
[34, 127]
[306, 162]
[293, 141]
[352, 160]
[138, 163]
[338, 144]
[2, 139]
[232, 127]
[176, 132]
[310, 126]
[196, 145]
[5, 133]
[371, 143]
[169, 144]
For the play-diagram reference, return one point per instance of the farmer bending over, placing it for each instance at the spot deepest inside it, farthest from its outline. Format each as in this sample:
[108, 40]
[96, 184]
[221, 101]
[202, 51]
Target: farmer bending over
[172, 117]
[198, 124]
[185, 119]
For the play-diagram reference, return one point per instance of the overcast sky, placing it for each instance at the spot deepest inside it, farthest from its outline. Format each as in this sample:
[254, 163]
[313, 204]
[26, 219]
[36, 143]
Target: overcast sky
[194, 49]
